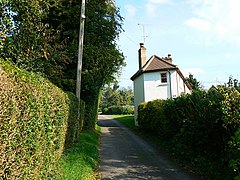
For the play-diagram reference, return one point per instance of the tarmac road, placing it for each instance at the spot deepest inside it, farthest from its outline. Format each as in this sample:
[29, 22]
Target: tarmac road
[124, 155]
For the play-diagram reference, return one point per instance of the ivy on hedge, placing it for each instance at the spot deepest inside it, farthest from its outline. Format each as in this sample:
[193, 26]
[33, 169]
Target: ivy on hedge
[206, 123]
[34, 117]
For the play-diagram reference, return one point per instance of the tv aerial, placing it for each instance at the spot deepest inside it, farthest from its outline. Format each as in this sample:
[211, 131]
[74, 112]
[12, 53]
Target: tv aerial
[143, 30]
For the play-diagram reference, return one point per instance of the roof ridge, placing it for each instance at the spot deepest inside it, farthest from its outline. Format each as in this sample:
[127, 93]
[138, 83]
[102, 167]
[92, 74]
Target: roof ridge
[165, 61]
[155, 63]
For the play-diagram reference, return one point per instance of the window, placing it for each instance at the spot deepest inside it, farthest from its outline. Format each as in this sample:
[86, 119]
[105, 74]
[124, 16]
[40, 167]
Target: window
[163, 77]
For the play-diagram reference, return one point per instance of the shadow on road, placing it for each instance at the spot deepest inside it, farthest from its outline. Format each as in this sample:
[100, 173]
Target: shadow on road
[107, 123]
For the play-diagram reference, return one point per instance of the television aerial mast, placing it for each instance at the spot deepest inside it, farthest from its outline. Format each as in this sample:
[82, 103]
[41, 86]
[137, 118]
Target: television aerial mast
[143, 30]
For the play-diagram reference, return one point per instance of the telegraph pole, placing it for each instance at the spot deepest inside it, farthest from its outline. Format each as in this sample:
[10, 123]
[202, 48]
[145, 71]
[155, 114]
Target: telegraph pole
[80, 51]
[79, 67]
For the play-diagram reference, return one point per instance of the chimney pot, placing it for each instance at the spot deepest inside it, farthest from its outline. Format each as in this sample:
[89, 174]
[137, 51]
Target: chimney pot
[169, 58]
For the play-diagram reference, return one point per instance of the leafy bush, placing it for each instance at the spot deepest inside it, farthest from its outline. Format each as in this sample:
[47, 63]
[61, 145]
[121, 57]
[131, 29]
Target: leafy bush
[201, 125]
[33, 123]
[231, 122]
[118, 110]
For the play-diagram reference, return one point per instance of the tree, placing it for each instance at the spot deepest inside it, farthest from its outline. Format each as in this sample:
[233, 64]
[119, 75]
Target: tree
[113, 96]
[6, 24]
[127, 96]
[45, 40]
[32, 44]
[233, 83]
[196, 85]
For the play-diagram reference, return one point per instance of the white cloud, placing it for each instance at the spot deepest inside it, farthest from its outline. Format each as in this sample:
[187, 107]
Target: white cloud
[198, 23]
[131, 10]
[219, 17]
[151, 10]
[152, 5]
[234, 57]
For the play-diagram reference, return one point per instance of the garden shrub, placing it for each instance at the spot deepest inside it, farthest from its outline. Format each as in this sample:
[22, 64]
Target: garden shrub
[231, 122]
[33, 123]
[150, 122]
[201, 125]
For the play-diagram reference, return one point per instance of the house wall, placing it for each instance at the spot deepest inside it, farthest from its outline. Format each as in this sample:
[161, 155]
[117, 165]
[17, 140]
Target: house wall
[138, 87]
[175, 79]
[178, 85]
[188, 91]
[153, 87]
[148, 87]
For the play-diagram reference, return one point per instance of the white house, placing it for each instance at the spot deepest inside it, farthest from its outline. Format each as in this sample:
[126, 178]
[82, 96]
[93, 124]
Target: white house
[158, 78]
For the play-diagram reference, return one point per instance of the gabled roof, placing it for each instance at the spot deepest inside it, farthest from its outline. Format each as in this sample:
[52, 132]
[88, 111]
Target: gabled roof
[155, 63]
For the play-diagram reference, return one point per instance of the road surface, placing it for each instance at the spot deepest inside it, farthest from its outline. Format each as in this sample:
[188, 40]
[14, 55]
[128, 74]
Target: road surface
[124, 155]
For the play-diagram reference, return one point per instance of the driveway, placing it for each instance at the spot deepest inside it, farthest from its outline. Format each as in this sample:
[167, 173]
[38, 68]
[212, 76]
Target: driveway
[124, 155]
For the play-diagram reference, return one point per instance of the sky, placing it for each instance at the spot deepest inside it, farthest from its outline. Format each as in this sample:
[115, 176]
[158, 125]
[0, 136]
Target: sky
[202, 36]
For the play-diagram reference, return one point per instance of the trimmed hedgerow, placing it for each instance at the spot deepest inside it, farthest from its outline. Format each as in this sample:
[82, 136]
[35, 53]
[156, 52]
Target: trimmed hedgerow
[33, 123]
[200, 126]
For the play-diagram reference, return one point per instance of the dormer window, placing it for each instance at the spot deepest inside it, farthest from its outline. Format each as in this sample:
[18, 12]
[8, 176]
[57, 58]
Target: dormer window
[163, 77]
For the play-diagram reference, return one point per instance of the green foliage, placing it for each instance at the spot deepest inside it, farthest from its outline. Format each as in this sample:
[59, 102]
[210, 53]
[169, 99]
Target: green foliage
[113, 96]
[33, 120]
[231, 117]
[117, 101]
[118, 110]
[44, 39]
[102, 59]
[30, 45]
[233, 83]
[5, 25]
[81, 160]
[200, 126]
[75, 123]
[196, 85]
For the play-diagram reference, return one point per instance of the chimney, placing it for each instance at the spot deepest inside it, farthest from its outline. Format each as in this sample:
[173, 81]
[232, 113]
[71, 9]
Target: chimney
[169, 58]
[142, 55]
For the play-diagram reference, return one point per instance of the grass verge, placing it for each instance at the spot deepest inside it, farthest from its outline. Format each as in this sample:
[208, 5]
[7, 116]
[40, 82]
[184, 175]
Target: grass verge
[81, 161]
[127, 120]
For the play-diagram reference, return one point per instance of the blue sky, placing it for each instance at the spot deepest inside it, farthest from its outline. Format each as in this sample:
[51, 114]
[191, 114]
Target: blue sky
[203, 36]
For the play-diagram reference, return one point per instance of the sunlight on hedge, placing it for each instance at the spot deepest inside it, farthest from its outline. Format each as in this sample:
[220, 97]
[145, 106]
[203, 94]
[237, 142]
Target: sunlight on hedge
[33, 123]
[203, 125]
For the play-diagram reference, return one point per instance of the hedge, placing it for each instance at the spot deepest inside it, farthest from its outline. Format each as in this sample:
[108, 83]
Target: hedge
[33, 123]
[203, 124]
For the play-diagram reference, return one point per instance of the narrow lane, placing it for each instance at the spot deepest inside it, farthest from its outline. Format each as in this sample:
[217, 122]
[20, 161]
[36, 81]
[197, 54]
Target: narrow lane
[124, 155]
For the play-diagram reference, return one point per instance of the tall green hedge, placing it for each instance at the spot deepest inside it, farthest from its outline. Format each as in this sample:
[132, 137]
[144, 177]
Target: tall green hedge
[205, 123]
[33, 123]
